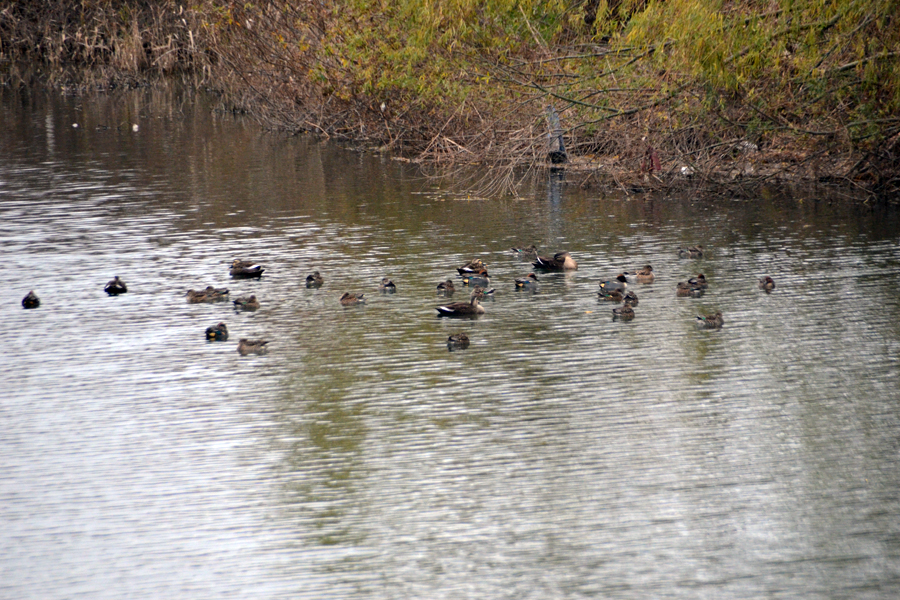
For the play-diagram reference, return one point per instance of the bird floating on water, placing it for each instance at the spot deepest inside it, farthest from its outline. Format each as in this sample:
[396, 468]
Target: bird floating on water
[115, 287]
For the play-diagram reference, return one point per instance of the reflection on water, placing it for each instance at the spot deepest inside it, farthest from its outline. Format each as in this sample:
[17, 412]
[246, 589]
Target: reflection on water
[562, 454]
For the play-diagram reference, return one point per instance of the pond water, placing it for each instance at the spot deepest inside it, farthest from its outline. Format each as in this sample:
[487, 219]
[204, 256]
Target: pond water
[561, 455]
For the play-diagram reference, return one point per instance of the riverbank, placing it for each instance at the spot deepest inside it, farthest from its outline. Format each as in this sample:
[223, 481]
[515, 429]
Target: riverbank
[649, 96]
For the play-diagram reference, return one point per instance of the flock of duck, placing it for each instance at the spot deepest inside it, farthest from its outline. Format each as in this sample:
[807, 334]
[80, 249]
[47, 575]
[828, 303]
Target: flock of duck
[474, 274]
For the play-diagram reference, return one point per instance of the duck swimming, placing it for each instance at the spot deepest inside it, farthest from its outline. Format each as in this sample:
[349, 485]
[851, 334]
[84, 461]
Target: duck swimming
[480, 278]
[458, 341]
[446, 287]
[31, 300]
[561, 261]
[217, 332]
[476, 265]
[245, 269]
[767, 284]
[529, 282]
[387, 286]
[645, 275]
[463, 309]
[685, 289]
[348, 299]
[691, 252]
[314, 280]
[246, 303]
[624, 313]
[246, 347]
[619, 283]
[612, 295]
[115, 287]
[710, 321]
[699, 281]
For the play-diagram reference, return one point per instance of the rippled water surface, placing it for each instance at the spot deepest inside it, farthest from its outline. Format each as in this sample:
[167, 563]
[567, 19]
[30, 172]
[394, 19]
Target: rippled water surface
[561, 455]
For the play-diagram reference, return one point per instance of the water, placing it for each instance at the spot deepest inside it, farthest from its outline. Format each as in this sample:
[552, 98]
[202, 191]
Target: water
[562, 455]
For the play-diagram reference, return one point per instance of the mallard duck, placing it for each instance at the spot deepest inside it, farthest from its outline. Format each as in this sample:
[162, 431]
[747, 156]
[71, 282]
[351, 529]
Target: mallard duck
[631, 299]
[446, 287]
[458, 341]
[115, 287]
[463, 309]
[625, 313]
[387, 286]
[216, 294]
[246, 303]
[476, 265]
[246, 347]
[217, 332]
[699, 281]
[767, 284]
[561, 261]
[480, 278]
[619, 283]
[691, 252]
[529, 282]
[31, 300]
[348, 299]
[531, 252]
[645, 275]
[710, 321]
[684, 289]
[245, 268]
[612, 295]
[314, 280]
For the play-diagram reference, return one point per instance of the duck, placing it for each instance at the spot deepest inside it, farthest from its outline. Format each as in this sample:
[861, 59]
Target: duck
[529, 282]
[691, 252]
[31, 300]
[446, 287]
[314, 280]
[246, 303]
[246, 347]
[631, 299]
[115, 287]
[625, 313]
[480, 278]
[197, 297]
[619, 283]
[530, 252]
[684, 289]
[767, 284]
[348, 299]
[612, 295]
[463, 309]
[710, 321]
[245, 268]
[217, 332]
[387, 286]
[645, 275]
[458, 341]
[561, 261]
[476, 265]
[699, 281]
[216, 294]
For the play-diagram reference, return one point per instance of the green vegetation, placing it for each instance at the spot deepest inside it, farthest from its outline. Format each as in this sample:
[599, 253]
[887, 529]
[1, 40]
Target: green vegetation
[648, 90]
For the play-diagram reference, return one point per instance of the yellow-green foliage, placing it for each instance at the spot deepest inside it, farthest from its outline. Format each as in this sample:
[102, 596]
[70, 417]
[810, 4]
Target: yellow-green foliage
[796, 50]
[433, 51]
